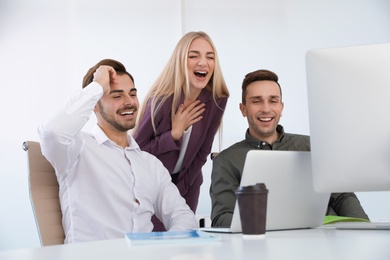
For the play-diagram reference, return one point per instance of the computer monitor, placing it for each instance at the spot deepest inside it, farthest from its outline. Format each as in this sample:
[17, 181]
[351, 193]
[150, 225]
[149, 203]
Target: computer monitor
[349, 117]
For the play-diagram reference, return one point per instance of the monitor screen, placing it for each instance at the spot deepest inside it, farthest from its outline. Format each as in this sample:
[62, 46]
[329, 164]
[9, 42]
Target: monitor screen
[349, 117]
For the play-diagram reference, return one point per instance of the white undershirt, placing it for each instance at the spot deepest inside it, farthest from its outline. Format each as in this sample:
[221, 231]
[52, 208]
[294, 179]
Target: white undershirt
[184, 145]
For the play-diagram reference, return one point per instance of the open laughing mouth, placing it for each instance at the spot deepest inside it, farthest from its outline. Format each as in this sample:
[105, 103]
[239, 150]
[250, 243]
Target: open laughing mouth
[129, 113]
[265, 119]
[201, 74]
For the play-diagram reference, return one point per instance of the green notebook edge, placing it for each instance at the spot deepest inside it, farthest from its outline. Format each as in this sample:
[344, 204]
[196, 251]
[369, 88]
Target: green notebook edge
[330, 219]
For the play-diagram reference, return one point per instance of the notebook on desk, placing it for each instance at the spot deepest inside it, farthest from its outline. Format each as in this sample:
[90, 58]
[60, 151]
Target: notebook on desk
[363, 225]
[292, 201]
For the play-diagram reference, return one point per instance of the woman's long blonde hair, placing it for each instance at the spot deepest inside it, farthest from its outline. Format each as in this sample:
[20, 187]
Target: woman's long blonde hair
[174, 78]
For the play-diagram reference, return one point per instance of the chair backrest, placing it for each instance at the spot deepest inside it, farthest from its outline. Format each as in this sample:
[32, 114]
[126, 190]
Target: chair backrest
[44, 196]
[213, 155]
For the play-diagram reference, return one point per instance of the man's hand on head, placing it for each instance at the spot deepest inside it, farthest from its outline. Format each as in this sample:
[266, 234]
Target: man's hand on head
[105, 75]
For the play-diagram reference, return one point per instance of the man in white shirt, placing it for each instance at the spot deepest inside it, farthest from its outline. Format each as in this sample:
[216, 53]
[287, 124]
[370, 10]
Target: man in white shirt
[108, 186]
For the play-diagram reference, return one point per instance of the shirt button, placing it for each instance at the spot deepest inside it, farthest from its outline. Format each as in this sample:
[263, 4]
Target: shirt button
[263, 143]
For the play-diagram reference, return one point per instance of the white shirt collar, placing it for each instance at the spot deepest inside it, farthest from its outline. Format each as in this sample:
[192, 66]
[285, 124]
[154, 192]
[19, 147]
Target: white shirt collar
[101, 137]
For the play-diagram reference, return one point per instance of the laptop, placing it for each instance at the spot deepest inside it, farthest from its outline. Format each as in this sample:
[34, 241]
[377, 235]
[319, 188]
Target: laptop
[292, 202]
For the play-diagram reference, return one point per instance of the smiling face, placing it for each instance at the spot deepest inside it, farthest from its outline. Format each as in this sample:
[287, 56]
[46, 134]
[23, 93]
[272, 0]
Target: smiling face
[200, 64]
[263, 109]
[117, 111]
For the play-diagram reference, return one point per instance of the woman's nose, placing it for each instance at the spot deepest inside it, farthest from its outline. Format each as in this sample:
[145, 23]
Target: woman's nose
[202, 61]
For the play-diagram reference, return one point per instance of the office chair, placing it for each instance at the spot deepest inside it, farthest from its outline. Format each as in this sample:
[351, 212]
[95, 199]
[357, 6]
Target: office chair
[213, 155]
[44, 197]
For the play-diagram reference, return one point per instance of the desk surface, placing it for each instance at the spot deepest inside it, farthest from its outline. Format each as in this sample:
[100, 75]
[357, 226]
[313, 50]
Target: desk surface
[320, 243]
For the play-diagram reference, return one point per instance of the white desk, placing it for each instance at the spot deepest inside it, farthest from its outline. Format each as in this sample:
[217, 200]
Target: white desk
[313, 244]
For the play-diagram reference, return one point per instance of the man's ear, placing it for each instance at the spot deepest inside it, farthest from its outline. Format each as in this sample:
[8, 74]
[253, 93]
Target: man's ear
[281, 113]
[243, 109]
[96, 109]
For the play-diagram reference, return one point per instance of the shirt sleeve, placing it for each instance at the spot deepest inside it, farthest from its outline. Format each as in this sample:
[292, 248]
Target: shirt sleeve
[171, 208]
[224, 182]
[60, 133]
[347, 204]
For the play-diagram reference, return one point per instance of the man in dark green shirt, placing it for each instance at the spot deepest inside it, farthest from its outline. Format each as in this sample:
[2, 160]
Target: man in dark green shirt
[262, 105]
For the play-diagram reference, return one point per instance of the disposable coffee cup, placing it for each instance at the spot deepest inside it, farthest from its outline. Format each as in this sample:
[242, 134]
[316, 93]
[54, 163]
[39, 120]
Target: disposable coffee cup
[252, 203]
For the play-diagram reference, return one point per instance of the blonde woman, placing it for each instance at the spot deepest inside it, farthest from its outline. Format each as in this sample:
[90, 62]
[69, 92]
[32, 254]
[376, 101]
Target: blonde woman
[182, 113]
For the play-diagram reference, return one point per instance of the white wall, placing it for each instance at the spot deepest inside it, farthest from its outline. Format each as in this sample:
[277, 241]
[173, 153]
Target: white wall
[47, 46]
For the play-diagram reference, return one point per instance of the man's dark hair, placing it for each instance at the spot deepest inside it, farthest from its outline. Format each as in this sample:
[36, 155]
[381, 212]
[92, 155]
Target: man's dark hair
[118, 67]
[258, 75]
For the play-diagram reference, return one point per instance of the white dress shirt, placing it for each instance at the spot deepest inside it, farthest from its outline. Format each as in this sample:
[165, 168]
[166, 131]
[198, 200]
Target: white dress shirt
[106, 190]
